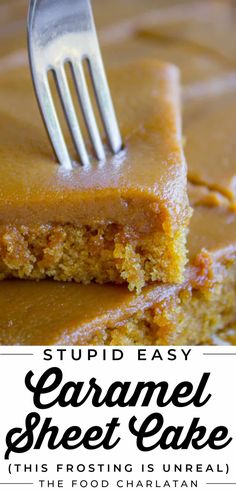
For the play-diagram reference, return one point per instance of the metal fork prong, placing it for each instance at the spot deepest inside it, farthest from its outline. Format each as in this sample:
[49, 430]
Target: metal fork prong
[52, 123]
[70, 114]
[87, 109]
[61, 31]
[105, 102]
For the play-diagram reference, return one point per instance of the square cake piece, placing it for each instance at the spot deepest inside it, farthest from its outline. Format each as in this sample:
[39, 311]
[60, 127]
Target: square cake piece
[123, 221]
[52, 313]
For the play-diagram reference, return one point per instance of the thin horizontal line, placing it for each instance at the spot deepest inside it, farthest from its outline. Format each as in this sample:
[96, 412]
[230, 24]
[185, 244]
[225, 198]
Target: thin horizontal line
[221, 483]
[16, 354]
[17, 483]
[217, 353]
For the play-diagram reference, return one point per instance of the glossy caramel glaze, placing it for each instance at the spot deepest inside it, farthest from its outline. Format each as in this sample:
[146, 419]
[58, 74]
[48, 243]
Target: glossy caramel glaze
[212, 229]
[209, 128]
[53, 313]
[213, 33]
[144, 186]
[122, 221]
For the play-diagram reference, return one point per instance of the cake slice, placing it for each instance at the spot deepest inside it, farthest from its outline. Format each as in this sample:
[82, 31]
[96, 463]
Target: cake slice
[123, 221]
[51, 313]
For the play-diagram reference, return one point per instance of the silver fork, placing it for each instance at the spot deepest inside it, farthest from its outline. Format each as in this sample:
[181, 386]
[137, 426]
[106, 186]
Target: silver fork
[61, 31]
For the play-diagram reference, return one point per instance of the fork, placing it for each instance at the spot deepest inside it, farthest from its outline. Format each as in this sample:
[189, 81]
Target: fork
[60, 32]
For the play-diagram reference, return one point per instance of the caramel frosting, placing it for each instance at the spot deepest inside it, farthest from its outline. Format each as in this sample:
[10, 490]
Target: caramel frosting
[51, 313]
[131, 30]
[195, 65]
[201, 195]
[143, 185]
[214, 34]
[209, 128]
[131, 187]
[212, 229]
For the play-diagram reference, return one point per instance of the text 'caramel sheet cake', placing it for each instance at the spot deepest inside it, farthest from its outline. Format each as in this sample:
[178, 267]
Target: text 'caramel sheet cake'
[123, 221]
[200, 309]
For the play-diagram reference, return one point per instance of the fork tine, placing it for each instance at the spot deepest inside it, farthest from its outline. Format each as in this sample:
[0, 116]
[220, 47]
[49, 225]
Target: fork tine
[83, 95]
[51, 122]
[70, 114]
[105, 102]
